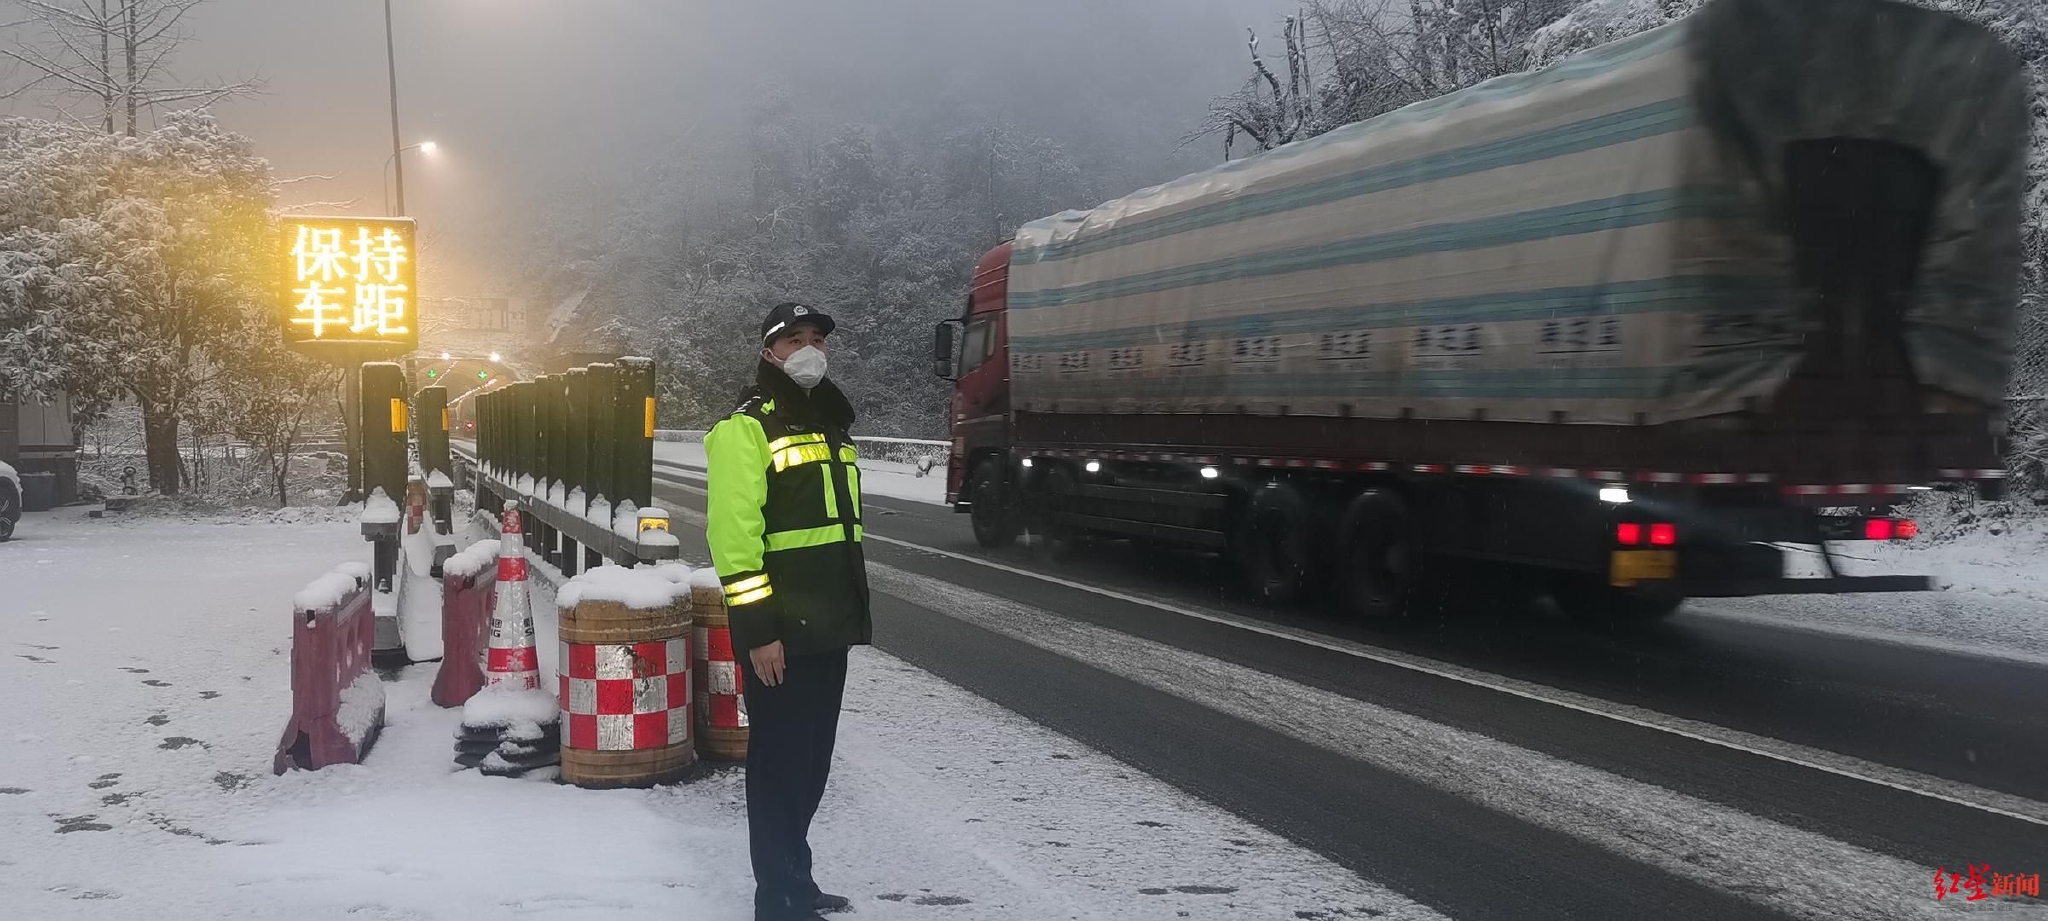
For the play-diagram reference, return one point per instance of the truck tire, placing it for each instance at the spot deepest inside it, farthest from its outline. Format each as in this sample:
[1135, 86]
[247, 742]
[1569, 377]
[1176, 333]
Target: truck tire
[1277, 551]
[990, 511]
[1600, 606]
[10, 511]
[1375, 578]
[1062, 542]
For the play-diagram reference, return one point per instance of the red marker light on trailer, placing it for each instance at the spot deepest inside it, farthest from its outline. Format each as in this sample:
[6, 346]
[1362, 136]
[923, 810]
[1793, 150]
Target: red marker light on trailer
[1628, 533]
[1663, 535]
[1906, 529]
[1877, 529]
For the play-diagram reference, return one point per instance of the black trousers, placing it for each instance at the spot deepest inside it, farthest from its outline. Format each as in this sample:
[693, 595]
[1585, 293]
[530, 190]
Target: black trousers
[791, 728]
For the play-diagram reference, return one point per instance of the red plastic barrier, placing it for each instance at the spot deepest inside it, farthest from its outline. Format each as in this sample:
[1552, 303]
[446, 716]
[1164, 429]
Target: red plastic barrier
[337, 701]
[468, 593]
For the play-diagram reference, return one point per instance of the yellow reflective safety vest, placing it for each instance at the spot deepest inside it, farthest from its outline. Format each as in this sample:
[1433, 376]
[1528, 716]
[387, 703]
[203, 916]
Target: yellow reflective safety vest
[785, 523]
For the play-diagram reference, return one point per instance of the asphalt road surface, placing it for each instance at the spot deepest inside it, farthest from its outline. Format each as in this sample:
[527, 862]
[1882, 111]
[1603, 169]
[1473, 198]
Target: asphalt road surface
[1497, 761]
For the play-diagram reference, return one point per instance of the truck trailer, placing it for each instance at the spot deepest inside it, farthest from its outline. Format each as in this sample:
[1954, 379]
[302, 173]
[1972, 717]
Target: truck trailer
[1628, 324]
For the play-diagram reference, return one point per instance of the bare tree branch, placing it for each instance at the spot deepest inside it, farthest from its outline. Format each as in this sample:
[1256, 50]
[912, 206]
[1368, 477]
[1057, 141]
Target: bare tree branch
[70, 59]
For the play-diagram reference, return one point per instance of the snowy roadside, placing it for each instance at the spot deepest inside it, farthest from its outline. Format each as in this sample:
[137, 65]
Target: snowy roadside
[1992, 599]
[147, 671]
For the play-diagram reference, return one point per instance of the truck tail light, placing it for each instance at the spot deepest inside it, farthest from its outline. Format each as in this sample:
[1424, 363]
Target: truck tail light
[1906, 529]
[1628, 533]
[1878, 529]
[1663, 535]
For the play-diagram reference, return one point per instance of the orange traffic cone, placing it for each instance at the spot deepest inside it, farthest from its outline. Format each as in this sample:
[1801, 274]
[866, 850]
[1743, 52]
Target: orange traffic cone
[511, 726]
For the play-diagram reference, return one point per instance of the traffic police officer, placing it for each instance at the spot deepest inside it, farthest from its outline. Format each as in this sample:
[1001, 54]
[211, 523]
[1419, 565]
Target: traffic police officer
[785, 535]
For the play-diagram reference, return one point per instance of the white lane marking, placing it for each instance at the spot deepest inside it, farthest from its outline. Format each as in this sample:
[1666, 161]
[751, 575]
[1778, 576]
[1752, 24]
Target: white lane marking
[1845, 766]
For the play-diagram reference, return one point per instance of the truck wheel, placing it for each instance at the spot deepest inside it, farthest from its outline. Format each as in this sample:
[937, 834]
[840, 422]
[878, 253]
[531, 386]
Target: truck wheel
[1062, 541]
[10, 511]
[1595, 604]
[1276, 550]
[995, 523]
[1376, 571]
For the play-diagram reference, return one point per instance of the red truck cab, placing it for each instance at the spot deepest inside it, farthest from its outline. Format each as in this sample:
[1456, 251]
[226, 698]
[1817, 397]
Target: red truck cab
[979, 415]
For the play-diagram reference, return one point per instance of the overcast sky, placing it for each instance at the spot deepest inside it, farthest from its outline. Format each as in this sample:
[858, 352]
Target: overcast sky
[528, 95]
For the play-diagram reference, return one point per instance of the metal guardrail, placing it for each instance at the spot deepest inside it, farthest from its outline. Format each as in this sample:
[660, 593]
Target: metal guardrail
[565, 444]
[571, 530]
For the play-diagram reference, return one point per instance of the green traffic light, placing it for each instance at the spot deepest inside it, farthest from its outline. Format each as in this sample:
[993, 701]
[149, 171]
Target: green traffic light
[483, 375]
[433, 373]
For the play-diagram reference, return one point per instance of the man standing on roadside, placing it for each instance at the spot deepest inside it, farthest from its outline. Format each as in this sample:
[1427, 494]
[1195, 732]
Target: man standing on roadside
[785, 535]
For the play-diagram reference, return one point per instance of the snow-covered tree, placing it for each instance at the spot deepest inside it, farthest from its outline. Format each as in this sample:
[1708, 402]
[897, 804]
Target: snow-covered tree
[264, 394]
[57, 299]
[877, 222]
[1598, 22]
[130, 263]
[1349, 60]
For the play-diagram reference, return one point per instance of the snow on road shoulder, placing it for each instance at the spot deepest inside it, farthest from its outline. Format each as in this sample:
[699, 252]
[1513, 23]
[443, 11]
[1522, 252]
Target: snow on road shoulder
[1987, 561]
[150, 681]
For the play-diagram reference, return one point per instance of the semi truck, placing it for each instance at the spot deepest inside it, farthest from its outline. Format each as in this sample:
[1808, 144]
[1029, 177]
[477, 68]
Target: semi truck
[1628, 325]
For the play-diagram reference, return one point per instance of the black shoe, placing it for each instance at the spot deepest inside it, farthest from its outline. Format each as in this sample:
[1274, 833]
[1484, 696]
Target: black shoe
[786, 914]
[827, 903]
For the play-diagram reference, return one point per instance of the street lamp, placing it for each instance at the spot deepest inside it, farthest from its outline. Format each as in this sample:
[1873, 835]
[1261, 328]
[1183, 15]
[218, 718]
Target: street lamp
[426, 147]
[495, 358]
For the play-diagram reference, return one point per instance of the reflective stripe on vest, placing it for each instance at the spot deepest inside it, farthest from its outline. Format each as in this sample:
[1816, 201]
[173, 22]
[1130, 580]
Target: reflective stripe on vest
[780, 443]
[749, 590]
[810, 537]
[801, 454]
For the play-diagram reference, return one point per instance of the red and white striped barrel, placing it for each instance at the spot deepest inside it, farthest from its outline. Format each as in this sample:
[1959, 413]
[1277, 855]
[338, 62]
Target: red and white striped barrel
[721, 710]
[626, 697]
[512, 661]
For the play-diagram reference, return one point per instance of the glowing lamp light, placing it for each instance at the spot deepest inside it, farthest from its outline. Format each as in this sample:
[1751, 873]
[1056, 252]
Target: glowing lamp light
[653, 519]
[429, 147]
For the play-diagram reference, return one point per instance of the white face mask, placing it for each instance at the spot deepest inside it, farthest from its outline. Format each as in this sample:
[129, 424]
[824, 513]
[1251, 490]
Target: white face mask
[806, 366]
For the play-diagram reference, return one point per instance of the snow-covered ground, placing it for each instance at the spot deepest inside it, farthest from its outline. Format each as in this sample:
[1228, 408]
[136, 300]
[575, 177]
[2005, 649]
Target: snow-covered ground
[146, 679]
[1992, 572]
[878, 478]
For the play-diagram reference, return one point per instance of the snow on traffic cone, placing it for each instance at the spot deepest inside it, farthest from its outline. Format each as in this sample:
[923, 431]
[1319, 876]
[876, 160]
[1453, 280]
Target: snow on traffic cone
[511, 726]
